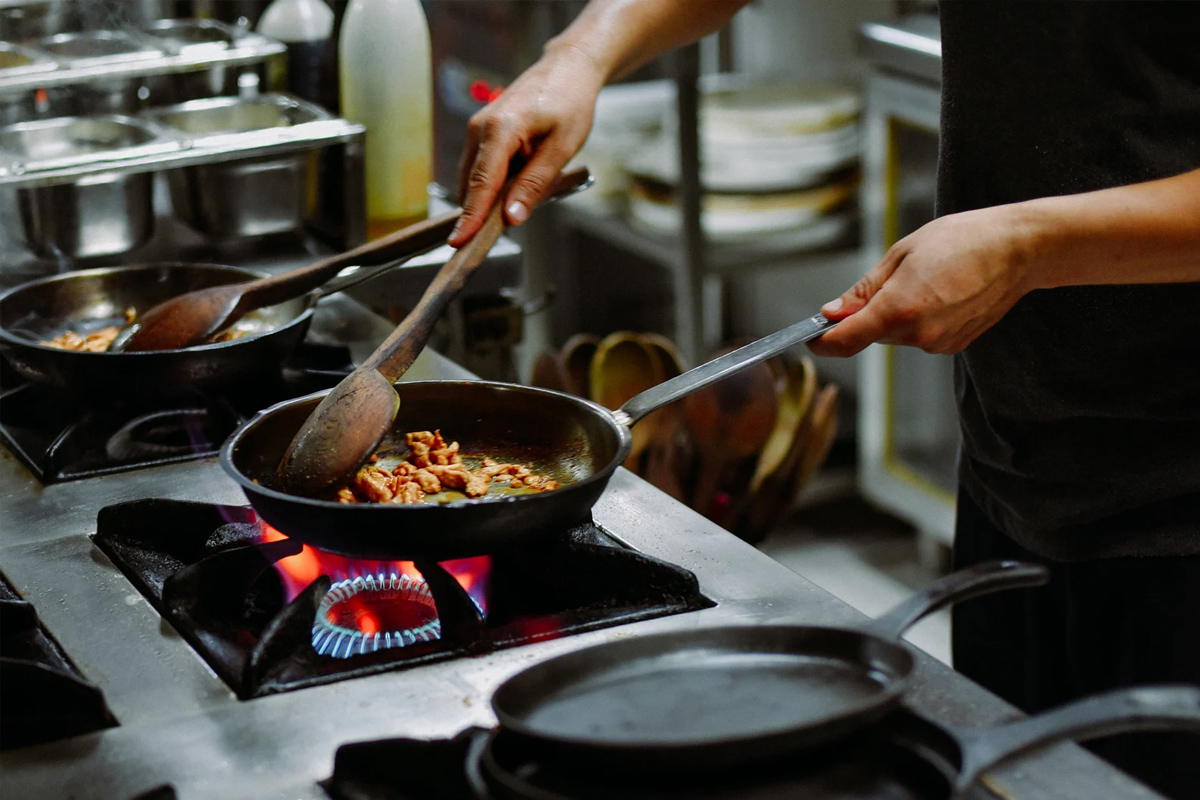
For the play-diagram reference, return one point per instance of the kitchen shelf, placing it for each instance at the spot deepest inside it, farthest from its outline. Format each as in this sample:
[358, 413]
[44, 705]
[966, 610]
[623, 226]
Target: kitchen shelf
[172, 149]
[722, 258]
[245, 47]
[699, 266]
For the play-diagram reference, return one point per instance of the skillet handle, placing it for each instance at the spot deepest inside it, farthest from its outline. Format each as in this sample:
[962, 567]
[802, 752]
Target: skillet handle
[473, 764]
[402, 244]
[773, 344]
[1150, 708]
[974, 581]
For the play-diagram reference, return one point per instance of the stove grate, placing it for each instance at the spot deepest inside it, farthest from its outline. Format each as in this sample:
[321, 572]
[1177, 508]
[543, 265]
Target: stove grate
[209, 572]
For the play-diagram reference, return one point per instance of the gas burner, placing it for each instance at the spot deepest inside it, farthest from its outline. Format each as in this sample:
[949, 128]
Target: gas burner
[373, 613]
[60, 436]
[265, 614]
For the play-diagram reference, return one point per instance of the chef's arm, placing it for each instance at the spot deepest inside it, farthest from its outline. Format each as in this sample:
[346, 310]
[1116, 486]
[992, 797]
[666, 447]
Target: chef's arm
[948, 282]
[544, 116]
[1142, 233]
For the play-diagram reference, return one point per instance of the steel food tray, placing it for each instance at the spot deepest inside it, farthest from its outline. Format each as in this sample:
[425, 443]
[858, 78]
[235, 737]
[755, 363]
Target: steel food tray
[171, 147]
[165, 47]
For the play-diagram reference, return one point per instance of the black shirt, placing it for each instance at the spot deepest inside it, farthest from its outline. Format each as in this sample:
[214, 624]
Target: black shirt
[1080, 409]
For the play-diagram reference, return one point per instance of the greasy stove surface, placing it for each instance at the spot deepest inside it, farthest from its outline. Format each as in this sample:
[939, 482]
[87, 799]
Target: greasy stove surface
[181, 724]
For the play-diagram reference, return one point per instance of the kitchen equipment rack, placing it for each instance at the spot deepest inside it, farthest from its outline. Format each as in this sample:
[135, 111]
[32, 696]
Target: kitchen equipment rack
[242, 48]
[698, 267]
[176, 149]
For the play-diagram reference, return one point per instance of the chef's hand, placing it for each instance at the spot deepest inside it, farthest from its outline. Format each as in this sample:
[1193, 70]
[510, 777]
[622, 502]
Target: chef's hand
[936, 289]
[540, 121]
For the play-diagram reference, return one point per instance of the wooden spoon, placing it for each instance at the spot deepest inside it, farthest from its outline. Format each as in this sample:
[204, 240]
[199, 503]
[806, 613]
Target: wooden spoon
[194, 318]
[577, 355]
[778, 496]
[549, 373]
[350, 422]
[622, 368]
[730, 421]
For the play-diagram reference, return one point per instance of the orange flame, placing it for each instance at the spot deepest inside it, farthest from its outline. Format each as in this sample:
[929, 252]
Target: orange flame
[299, 571]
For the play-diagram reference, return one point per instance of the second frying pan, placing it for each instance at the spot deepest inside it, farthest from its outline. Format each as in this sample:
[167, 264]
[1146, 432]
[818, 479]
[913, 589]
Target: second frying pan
[713, 698]
[905, 757]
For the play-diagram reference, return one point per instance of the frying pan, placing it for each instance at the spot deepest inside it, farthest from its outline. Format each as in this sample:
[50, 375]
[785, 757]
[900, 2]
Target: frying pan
[713, 698]
[904, 757]
[577, 442]
[89, 300]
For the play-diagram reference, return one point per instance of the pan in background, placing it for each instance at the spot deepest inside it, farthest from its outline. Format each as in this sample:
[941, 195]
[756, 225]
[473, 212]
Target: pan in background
[88, 300]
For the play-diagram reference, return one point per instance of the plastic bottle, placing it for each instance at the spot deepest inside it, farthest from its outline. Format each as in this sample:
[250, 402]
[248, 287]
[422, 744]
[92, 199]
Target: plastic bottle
[386, 84]
[304, 26]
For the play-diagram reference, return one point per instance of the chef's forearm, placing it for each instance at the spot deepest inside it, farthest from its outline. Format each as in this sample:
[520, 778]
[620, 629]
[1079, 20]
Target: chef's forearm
[621, 35]
[1141, 233]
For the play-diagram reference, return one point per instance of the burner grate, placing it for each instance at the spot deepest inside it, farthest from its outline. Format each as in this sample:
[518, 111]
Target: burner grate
[209, 572]
[62, 438]
[43, 696]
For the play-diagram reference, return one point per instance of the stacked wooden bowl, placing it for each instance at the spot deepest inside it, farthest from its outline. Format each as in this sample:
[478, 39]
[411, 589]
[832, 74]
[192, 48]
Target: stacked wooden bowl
[739, 451]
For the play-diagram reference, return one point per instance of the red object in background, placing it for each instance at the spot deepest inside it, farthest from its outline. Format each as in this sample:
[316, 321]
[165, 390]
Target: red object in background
[480, 91]
[483, 92]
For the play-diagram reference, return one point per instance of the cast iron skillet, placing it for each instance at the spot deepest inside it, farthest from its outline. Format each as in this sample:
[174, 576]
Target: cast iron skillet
[86, 301]
[713, 698]
[89, 300]
[904, 757]
[575, 441]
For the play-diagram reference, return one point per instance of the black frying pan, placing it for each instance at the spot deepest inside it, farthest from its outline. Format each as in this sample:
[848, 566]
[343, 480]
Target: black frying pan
[904, 757]
[575, 441]
[712, 698]
[86, 301]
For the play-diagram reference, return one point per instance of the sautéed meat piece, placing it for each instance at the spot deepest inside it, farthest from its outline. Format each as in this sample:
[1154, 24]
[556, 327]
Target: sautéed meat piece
[100, 340]
[432, 466]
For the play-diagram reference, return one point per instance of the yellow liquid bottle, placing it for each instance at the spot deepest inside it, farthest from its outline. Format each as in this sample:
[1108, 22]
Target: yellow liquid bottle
[386, 82]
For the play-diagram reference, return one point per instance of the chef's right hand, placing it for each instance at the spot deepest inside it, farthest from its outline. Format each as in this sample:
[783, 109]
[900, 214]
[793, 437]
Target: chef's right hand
[539, 122]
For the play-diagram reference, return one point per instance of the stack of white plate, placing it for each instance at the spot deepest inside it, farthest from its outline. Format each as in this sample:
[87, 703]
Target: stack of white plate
[775, 160]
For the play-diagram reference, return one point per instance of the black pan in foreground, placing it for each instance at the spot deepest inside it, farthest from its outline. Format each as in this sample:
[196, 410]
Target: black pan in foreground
[717, 697]
[904, 757]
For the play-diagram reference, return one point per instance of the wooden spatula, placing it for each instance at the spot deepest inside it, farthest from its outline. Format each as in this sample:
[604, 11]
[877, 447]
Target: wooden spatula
[351, 421]
[194, 318]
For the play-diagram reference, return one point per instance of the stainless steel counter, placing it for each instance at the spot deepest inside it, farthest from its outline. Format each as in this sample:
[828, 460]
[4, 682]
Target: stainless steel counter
[181, 724]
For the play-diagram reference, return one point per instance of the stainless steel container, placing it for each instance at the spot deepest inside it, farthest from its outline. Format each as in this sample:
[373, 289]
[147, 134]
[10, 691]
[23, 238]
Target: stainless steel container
[25, 20]
[96, 48]
[196, 39]
[245, 197]
[15, 60]
[93, 215]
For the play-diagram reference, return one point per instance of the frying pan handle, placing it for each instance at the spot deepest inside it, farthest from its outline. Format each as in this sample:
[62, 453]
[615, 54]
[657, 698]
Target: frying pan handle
[395, 248]
[974, 581]
[1151, 708]
[473, 764]
[669, 391]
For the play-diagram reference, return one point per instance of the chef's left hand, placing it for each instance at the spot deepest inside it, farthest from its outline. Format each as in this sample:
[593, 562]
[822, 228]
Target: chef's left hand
[937, 288]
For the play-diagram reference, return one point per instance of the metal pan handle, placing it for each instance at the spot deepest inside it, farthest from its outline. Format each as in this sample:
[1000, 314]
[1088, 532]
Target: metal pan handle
[667, 392]
[1151, 708]
[974, 581]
